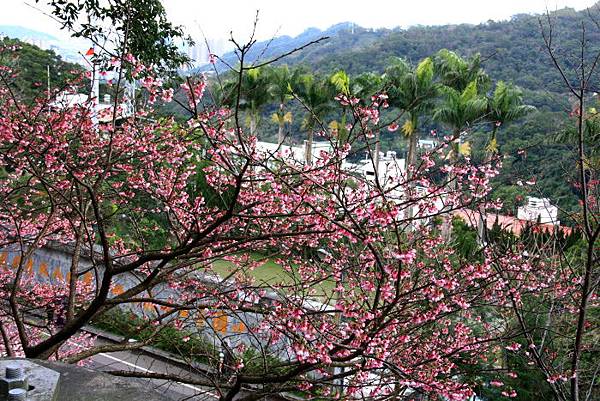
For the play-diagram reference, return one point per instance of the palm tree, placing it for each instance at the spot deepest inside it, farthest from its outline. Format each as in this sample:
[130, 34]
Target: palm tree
[505, 106]
[458, 73]
[458, 111]
[362, 86]
[462, 80]
[253, 92]
[365, 85]
[414, 91]
[316, 95]
[281, 81]
[254, 95]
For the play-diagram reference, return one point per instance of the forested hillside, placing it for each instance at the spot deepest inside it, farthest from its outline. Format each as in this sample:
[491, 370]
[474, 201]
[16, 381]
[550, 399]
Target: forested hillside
[33, 64]
[511, 51]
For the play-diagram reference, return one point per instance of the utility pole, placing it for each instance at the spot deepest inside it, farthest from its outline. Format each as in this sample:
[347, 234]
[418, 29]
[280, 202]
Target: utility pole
[95, 94]
[48, 87]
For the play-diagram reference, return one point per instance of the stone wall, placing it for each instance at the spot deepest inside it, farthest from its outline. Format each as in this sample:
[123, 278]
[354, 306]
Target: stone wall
[51, 264]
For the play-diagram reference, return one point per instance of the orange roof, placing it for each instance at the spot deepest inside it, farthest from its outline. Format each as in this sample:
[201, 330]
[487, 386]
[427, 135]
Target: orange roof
[507, 223]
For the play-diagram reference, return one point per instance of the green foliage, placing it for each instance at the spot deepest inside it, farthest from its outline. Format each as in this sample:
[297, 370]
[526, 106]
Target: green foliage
[512, 196]
[32, 64]
[414, 91]
[460, 110]
[316, 94]
[280, 80]
[341, 82]
[411, 89]
[141, 28]
[506, 104]
[168, 338]
[365, 85]
[252, 93]
[465, 239]
[591, 132]
[459, 73]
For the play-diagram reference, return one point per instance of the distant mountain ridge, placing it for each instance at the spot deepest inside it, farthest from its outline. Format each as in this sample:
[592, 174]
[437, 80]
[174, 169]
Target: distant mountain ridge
[512, 50]
[283, 44]
[20, 32]
[67, 49]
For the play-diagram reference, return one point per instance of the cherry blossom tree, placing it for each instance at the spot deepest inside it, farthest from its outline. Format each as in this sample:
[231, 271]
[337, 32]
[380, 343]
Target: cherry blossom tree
[555, 301]
[174, 220]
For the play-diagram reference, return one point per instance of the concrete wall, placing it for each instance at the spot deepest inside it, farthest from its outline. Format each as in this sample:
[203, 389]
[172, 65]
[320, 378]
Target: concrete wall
[51, 265]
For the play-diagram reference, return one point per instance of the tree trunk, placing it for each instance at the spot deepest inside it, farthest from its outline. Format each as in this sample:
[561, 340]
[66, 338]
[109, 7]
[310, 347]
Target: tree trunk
[482, 225]
[281, 124]
[70, 312]
[252, 125]
[413, 139]
[411, 160]
[377, 151]
[280, 134]
[482, 217]
[308, 147]
[452, 187]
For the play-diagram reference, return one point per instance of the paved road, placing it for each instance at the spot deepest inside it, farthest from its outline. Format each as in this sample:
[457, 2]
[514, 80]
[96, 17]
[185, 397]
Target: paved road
[137, 361]
[133, 361]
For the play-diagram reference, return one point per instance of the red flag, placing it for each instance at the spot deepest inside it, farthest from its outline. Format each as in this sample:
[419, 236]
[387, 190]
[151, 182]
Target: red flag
[90, 52]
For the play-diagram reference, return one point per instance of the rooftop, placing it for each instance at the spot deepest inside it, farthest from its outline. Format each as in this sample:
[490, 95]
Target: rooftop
[82, 384]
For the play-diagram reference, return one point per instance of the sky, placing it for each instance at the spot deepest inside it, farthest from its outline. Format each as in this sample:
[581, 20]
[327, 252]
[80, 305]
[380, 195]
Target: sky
[215, 19]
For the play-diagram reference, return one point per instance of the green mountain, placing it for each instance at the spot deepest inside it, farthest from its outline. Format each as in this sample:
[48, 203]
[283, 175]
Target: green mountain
[32, 65]
[512, 50]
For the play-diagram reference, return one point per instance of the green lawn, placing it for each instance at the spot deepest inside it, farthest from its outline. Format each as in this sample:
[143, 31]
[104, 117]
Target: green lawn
[270, 274]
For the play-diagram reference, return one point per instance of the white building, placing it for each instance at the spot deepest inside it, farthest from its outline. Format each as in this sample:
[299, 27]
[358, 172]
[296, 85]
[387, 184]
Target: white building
[391, 172]
[389, 167]
[200, 52]
[65, 100]
[297, 152]
[427, 144]
[103, 109]
[538, 208]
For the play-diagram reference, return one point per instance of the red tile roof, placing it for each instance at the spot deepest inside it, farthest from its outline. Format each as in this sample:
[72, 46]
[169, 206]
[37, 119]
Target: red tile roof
[507, 223]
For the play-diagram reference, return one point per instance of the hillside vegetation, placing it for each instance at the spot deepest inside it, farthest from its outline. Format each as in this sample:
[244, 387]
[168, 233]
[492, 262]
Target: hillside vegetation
[33, 63]
[511, 51]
